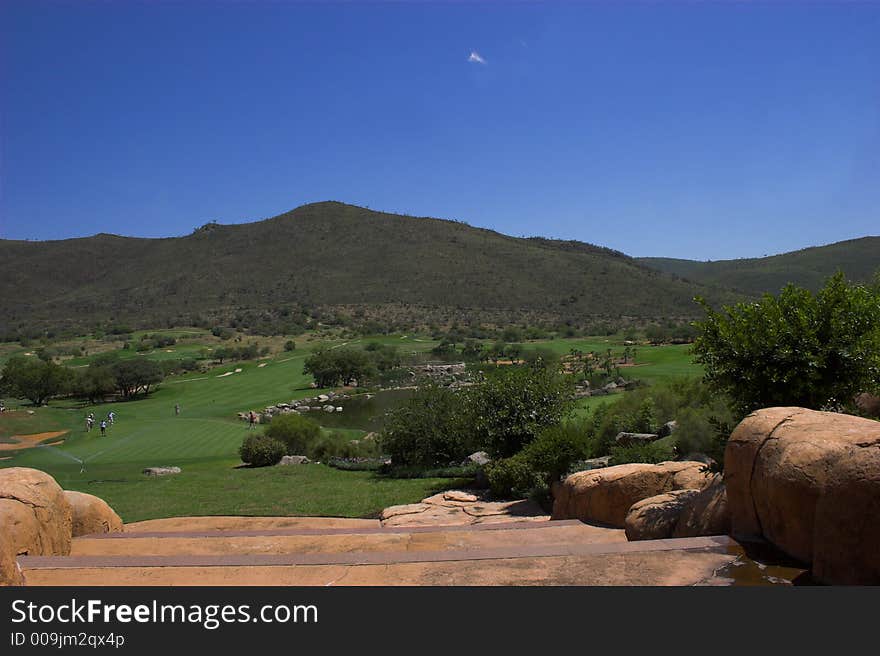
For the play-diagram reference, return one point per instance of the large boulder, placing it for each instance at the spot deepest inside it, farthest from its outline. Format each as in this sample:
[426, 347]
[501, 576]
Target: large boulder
[606, 495]
[809, 483]
[92, 514]
[20, 535]
[656, 517]
[707, 513]
[680, 514]
[45, 500]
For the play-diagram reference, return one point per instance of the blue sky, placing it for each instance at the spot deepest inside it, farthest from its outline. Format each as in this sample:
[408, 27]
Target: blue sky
[699, 130]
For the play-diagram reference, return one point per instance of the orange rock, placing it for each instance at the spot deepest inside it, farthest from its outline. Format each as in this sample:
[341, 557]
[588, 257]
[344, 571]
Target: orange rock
[809, 482]
[92, 514]
[45, 499]
[707, 513]
[606, 495]
[20, 536]
[656, 517]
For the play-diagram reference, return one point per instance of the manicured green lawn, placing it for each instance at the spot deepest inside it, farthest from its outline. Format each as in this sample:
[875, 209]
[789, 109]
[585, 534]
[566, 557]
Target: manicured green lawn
[205, 438]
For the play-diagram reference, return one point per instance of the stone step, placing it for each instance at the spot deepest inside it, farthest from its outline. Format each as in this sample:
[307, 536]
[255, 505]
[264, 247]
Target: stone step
[341, 540]
[658, 562]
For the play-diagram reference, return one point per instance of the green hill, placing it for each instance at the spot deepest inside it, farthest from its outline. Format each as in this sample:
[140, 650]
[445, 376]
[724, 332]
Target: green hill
[859, 259]
[326, 255]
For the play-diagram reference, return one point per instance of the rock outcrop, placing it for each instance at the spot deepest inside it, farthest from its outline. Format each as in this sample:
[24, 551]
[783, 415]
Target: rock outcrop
[606, 495]
[456, 507]
[44, 499]
[91, 514]
[35, 518]
[809, 483]
[707, 513]
[655, 518]
[680, 514]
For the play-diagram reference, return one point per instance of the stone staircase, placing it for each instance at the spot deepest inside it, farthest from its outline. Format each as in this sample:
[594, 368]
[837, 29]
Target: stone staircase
[331, 551]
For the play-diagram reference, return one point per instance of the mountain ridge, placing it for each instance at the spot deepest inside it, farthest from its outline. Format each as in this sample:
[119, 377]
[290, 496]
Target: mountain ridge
[332, 254]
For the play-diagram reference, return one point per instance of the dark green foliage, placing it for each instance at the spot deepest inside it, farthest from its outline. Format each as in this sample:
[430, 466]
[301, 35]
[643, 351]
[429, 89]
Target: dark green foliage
[699, 411]
[296, 433]
[338, 445]
[136, 376]
[332, 367]
[547, 459]
[428, 430]
[512, 477]
[511, 407]
[289, 345]
[94, 383]
[261, 450]
[247, 352]
[34, 379]
[651, 452]
[797, 349]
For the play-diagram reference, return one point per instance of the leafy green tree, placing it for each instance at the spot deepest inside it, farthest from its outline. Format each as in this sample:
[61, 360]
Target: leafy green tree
[34, 379]
[94, 383]
[330, 367]
[798, 348]
[513, 406]
[135, 375]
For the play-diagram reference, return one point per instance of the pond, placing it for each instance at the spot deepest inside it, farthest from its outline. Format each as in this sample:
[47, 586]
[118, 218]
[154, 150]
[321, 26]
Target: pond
[362, 413]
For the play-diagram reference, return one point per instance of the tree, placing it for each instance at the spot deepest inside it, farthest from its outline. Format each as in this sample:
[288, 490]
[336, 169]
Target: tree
[343, 365]
[136, 374]
[34, 379]
[94, 383]
[797, 349]
[514, 405]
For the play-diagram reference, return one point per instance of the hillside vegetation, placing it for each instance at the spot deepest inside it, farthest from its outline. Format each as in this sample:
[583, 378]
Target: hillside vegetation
[325, 254]
[859, 259]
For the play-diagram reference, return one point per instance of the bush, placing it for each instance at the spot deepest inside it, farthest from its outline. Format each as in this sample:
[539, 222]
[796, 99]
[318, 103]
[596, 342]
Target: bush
[337, 445]
[427, 431]
[261, 450]
[797, 349]
[550, 457]
[513, 406]
[290, 345]
[652, 452]
[512, 477]
[297, 434]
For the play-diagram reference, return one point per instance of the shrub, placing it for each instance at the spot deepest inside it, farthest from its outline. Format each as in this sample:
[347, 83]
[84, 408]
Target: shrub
[651, 452]
[797, 349]
[290, 345]
[542, 462]
[297, 434]
[558, 447]
[427, 431]
[512, 407]
[514, 476]
[261, 450]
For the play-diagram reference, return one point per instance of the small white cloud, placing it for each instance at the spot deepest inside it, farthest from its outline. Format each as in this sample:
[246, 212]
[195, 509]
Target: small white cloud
[475, 58]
